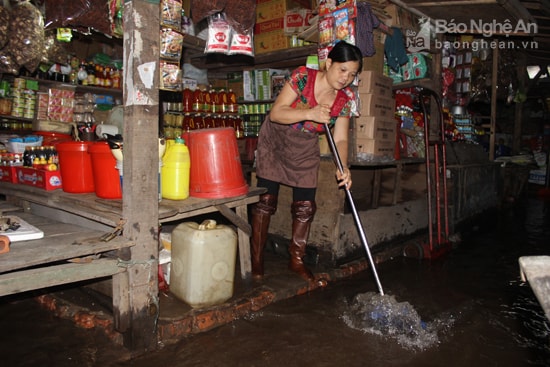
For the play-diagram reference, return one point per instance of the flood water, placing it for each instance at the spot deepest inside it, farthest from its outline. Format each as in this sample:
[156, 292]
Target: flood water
[473, 309]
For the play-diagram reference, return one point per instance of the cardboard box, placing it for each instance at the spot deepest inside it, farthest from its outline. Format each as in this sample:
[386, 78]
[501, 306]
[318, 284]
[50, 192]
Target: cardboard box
[297, 20]
[272, 9]
[7, 174]
[272, 25]
[218, 84]
[373, 105]
[249, 87]
[271, 41]
[235, 84]
[47, 180]
[375, 83]
[375, 147]
[375, 62]
[263, 86]
[372, 127]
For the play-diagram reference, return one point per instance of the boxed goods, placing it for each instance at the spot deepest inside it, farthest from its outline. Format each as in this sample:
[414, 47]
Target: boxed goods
[376, 147]
[273, 9]
[373, 105]
[376, 83]
[47, 180]
[372, 127]
[7, 174]
[271, 41]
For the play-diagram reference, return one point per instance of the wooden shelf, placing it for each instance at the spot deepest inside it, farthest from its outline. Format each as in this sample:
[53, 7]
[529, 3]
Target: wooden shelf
[78, 88]
[280, 59]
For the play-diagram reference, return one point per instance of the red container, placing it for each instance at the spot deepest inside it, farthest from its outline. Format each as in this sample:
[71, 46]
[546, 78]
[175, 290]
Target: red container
[75, 165]
[216, 170]
[47, 180]
[53, 138]
[106, 175]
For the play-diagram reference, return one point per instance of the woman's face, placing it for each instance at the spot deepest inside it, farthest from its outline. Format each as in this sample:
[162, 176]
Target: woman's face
[341, 74]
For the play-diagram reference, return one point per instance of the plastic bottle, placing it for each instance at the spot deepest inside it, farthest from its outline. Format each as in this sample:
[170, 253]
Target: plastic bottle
[198, 100]
[187, 100]
[176, 165]
[232, 106]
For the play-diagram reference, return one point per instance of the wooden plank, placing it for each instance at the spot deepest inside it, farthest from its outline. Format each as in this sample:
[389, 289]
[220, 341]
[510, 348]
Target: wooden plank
[244, 245]
[27, 280]
[25, 254]
[61, 241]
[192, 206]
[240, 222]
[85, 205]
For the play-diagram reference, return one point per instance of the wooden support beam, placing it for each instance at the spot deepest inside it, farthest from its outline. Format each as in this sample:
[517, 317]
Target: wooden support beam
[494, 81]
[140, 184]
[49, 276]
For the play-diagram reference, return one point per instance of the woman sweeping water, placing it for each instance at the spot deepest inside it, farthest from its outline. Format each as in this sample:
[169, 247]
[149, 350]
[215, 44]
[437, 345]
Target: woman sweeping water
[288, 149]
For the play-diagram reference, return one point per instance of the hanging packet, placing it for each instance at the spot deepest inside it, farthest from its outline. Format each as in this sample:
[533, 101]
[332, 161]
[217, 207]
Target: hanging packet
[241, 43]
[219, 34]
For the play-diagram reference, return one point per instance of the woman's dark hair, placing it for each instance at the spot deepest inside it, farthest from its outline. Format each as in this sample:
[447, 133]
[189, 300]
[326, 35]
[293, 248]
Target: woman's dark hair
[344, 52]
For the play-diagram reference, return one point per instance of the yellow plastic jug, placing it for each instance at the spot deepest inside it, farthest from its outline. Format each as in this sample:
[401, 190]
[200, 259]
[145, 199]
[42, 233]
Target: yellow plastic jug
[174, 173]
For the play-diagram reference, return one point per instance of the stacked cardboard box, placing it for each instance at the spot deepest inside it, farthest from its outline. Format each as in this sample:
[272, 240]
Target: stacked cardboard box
[269, 31]
[375, 129]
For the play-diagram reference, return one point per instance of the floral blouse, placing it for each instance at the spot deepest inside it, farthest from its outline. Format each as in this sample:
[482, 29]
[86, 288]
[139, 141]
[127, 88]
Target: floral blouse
[342, 105]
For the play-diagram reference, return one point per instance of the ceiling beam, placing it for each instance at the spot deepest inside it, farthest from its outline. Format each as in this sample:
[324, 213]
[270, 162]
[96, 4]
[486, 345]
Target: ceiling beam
[515, 9]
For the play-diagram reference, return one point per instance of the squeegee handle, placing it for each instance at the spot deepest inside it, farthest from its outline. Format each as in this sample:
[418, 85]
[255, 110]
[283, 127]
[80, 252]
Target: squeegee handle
[356, 216]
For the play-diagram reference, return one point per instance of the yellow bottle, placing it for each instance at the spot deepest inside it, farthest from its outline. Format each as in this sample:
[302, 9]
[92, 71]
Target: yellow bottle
[175, 170]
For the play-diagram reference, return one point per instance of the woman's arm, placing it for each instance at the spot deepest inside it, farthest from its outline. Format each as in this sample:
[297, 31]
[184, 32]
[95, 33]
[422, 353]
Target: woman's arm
[282, 113]
[341, 138]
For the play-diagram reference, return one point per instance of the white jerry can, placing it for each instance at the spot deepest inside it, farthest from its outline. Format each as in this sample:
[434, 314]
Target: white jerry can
[203, 263]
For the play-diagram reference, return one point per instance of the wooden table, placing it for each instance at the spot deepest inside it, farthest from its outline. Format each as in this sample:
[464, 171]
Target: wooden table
[109, 212]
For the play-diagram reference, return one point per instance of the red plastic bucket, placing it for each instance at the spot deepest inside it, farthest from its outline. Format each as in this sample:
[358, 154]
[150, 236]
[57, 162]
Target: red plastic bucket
[75, 165]
[106, 175]
[53, 138]
[216, 170]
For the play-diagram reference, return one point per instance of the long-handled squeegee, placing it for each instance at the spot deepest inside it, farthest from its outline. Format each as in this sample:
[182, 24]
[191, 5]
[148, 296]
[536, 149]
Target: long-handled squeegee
[358, 222]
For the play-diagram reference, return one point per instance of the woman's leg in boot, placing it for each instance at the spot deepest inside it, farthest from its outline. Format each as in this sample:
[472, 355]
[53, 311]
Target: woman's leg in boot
[302, 216]
[261, 216]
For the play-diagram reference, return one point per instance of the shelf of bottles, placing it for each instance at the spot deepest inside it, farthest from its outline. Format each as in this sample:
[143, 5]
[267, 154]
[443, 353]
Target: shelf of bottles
[201, 109]
[253, 114]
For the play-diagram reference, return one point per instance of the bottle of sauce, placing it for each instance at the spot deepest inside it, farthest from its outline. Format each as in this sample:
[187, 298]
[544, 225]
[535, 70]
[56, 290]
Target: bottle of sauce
[187, 100]
[198, 100]
[233, 107]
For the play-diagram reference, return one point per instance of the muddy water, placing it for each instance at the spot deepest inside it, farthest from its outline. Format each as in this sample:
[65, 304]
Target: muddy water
[471, 305]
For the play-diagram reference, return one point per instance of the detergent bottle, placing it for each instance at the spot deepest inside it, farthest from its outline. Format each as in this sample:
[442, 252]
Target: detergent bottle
[175, 171]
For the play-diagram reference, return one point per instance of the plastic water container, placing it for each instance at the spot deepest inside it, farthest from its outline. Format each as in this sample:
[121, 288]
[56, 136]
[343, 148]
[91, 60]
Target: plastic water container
[203, 263]
[175, 171]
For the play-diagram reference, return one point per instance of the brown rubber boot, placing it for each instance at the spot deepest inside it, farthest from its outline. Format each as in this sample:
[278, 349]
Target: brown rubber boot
[261, 215]
[302, 216]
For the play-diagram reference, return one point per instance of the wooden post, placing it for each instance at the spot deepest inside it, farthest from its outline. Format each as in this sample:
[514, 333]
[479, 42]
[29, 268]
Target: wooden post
[518, 116]
[494, 86]
[140, 179]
